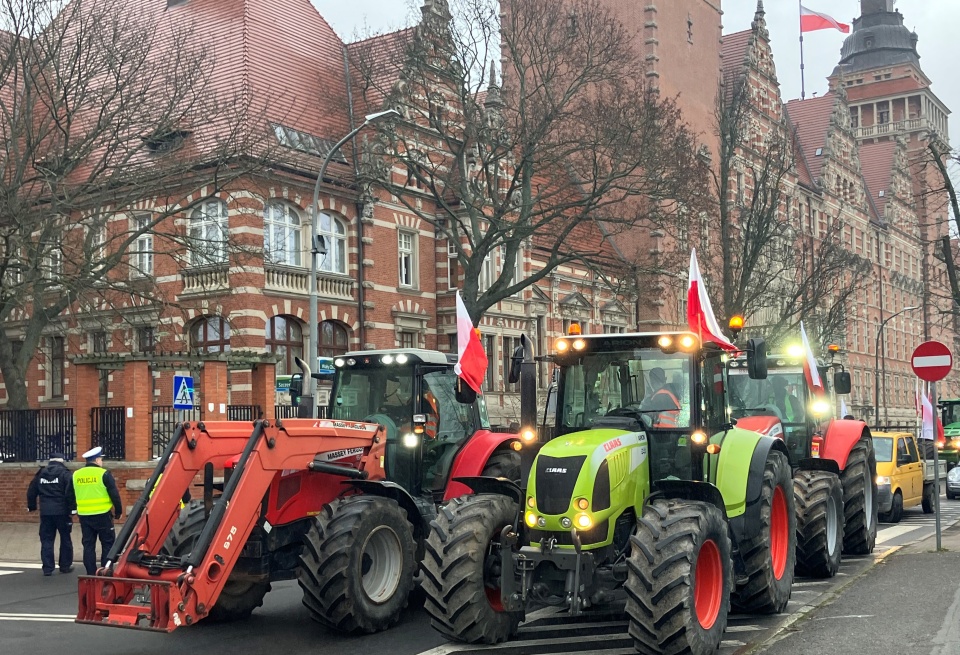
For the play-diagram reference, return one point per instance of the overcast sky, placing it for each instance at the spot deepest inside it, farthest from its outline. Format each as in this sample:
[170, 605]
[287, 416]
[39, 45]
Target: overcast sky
[933, 20]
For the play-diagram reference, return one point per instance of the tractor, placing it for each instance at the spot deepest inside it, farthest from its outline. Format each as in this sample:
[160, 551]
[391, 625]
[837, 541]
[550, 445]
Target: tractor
[643, 485]
[341, 503]
[833, 461]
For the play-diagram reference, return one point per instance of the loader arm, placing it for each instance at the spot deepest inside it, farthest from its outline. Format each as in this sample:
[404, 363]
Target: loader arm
[140, 587]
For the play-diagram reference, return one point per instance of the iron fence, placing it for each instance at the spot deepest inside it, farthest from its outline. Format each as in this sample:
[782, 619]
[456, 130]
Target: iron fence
[108, 430]
[30, 435]
[290, 411]
[244, 412]
[165, 420]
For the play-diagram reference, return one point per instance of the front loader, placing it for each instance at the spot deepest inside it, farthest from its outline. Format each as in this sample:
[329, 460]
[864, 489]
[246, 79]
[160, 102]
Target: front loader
[645, 487]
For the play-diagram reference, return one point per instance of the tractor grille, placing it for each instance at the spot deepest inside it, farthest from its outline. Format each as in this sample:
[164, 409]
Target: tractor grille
[556, 478]
[595, 535]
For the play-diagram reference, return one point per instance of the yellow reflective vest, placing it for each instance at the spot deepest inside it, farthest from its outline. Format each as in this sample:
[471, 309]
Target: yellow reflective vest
[91, 493]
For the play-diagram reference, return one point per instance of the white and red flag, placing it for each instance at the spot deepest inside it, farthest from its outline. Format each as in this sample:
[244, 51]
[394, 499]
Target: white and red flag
[471, 363]
[811, 21]
[810, 370]
[699, 311]
[929, 420]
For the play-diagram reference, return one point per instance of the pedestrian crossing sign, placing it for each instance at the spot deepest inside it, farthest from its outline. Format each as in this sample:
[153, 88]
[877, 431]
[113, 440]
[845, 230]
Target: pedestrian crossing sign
[183, 392]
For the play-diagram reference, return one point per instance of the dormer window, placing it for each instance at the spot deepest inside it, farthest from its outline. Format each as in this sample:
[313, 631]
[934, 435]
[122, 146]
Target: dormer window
[162, 142]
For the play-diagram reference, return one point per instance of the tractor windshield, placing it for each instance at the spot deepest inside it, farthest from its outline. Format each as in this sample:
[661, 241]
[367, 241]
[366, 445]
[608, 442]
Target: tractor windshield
[644, 384]
[377, 394]
[782, 394]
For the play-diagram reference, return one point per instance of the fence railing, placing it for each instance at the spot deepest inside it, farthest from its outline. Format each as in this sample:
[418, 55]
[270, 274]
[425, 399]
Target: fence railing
[244, 412]
[30, 435]
[108, 430]
[165, 419]
[289, 411]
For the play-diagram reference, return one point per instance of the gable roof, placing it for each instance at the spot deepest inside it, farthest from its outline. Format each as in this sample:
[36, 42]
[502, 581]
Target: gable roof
[376, 64]
[734, 50]
[811, 120]
[876, 164]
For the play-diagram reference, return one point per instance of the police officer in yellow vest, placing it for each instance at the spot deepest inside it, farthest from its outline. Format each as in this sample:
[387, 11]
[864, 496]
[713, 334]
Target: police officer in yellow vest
[97, 497]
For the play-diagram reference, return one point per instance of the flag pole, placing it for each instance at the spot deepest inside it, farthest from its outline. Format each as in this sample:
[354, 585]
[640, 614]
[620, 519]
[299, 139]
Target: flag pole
[803, 82]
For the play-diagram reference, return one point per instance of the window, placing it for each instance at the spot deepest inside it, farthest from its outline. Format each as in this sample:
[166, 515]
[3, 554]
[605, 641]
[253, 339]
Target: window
[57, 359]
[884, 116]
[210, 334]
[335, 236]
[408, 340]
[146, 339]
[208, 233]
[490, 345]
[453, 266]
[488, 273]
[98, 242]
[53, 263]
[142, 247]
[540, 333]
[407, 247]
[453, 345]
[509, 345]
[98, 342]
[285, 338]
[333, 339]
[615, 329]
[281, 234]
[740, 198]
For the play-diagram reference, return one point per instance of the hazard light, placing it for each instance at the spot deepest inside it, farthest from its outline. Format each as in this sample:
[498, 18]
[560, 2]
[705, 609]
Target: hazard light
[574, 330]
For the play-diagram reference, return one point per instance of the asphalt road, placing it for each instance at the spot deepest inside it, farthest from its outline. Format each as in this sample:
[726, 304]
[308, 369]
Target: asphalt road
[36, 617]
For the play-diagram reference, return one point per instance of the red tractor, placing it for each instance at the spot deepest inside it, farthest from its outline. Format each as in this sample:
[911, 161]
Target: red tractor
[833, 460]
[342, 503]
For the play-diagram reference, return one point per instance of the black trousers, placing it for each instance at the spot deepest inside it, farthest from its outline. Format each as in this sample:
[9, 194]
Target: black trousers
[49, 527]
[93, 527]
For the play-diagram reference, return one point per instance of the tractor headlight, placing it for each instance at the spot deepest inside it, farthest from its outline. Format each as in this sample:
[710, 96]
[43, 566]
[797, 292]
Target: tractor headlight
[387, 359]
[528, 435]
[410, 440]
[821, 407]
[584, 522]
[531, 519]
[402, 359]
[566, 523]
[583, 503]
[883, 480]
[562, 345]
[579, 344]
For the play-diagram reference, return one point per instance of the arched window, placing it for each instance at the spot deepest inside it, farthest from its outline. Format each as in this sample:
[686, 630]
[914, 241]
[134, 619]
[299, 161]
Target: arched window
[208, 233]
[285, 338]
[333, 339]
[281, 233]
[210, 334]
[334, 233]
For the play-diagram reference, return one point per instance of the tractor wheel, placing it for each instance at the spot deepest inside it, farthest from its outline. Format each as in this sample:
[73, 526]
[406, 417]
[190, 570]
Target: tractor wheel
[928, 501]
[679, 578]
[503, 464]
[462, 568]
[358, 564]
[859, 480]
[240, 595]
[769, 554]
[819, 499]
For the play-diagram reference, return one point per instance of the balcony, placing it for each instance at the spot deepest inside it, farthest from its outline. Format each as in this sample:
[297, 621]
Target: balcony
[295, 280]
[205, 279]
[900, 127]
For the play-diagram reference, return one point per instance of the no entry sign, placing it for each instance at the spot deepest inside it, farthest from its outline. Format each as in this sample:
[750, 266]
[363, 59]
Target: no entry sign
[932, 361]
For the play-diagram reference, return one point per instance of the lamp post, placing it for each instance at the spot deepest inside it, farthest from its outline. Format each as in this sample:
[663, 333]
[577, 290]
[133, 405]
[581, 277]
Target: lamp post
[876, 362]
[318, 247]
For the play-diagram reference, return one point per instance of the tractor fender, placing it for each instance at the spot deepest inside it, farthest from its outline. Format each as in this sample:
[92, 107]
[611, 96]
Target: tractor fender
[840, 438]
[488, 485]
[817, 464]
[387, 489]
[472, 459]
[687, 490]
[747, 485]
[768, 425]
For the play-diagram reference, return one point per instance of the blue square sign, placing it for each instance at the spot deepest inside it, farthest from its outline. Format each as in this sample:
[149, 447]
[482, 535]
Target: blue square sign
[183, 392]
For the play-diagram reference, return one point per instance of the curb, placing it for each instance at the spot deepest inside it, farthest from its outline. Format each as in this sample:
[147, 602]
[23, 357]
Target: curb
[826, 599]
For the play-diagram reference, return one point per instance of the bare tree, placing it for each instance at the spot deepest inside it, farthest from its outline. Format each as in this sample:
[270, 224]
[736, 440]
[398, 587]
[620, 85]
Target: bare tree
[942, 159]
[575, 149]
[110, 126]
[771, 269]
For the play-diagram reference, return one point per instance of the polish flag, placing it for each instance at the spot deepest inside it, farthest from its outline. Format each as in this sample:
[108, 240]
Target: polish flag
[926, 431]
[810, 370]
[811, 21]
[471, 363]
[699, 311]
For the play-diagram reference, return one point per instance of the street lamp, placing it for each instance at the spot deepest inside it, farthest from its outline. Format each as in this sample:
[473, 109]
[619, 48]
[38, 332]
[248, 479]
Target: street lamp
[876, 362]
[319, 247]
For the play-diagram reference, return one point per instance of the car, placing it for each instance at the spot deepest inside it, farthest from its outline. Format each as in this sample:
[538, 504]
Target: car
[904, 479]
[953, 483]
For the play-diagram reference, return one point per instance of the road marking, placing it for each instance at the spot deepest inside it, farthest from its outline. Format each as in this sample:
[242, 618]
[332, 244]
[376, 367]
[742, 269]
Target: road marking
[810, 583]
[732, 643]
[26, 616]
[10, 572]
[892, 533]
[20, 565]
[743, 628]
[846, 616]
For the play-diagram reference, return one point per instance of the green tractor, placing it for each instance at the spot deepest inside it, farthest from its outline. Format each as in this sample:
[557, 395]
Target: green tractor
[642, 486]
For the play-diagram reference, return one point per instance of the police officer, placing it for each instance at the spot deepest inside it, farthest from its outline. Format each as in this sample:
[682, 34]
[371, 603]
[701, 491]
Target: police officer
[52, 485]
[96, 496]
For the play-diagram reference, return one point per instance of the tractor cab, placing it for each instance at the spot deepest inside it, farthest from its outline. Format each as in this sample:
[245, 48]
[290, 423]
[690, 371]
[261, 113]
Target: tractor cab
[411, 392]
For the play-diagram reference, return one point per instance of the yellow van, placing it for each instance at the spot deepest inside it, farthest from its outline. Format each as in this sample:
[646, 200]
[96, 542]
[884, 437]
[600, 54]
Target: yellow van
[901, 481]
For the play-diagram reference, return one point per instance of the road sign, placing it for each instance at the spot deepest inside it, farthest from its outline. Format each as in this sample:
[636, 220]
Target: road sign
[932, 361]
[183, 392]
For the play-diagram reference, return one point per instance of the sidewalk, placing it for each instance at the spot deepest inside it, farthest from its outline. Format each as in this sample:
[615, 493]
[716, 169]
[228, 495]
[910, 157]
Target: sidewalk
[20, 542]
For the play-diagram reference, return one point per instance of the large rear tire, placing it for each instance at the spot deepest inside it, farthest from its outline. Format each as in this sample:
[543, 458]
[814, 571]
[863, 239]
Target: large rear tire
[928, 501]
[859, 480]
[679, 578]
[503, 464]
[769, 554]
[461, 570]
[241, 594]
[819, 498]
[358, 564]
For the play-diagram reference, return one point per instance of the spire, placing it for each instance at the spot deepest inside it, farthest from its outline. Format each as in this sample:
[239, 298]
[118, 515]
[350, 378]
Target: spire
[759, 24]
[493, 99]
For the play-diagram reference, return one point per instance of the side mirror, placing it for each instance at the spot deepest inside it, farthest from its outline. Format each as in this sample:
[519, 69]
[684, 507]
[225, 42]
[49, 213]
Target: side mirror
[841, 382]
[463, 393]
[757, 359]
[514, 375]
[296, 389]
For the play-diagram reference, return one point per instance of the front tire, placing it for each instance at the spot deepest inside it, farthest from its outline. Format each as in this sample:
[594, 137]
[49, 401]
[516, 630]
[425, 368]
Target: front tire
[769, 554]
[819, 498]
[679, 578]
[859, 480]
[358, 564]
[461, 570]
